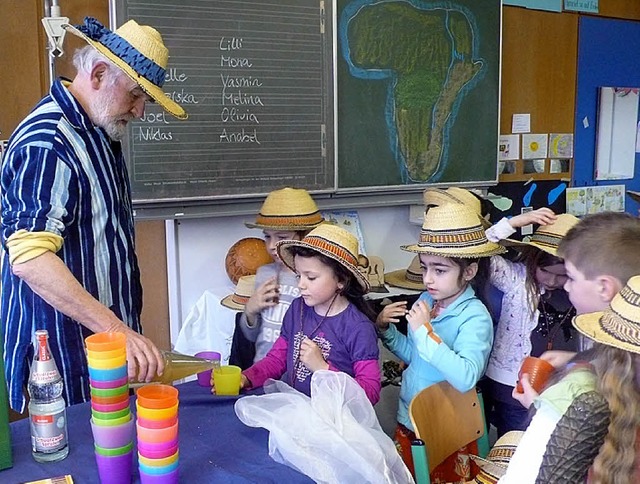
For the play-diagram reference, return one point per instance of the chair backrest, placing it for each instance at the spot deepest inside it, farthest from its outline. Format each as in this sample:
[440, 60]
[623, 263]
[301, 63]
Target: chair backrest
[446, 420]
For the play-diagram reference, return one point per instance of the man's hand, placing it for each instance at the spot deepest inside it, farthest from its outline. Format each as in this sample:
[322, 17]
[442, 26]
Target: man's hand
[144, 359]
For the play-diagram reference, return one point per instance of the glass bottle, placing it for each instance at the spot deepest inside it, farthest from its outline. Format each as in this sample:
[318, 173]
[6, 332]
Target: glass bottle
[47, 409]
[178, 366]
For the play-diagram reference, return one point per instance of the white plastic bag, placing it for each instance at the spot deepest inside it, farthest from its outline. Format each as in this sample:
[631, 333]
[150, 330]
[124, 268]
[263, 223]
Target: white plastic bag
[209, 326]
[332, 437]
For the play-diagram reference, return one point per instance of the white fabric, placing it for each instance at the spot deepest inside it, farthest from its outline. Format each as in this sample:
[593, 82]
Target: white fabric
[525, 464]
[209, 326]
[332, 437]
[500, 231]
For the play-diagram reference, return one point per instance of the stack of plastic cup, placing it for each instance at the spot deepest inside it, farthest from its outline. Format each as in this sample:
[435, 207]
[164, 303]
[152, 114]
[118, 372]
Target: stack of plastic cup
[111, 421]
[157, 426]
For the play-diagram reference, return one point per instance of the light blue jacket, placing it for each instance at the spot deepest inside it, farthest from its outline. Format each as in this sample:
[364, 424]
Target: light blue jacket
[466, 330]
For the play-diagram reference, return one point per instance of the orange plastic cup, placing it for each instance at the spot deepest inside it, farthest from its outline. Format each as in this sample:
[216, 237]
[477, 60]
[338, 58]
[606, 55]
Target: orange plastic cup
[106, 341]
[539, 371]
[157, 396]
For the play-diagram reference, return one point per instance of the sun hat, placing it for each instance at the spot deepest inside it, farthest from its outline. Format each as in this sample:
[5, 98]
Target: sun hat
[241, 294]
[333, 242]
[409, 278]
[619, 324]
[494, 466]
[287, 209]
[434, 197]
[548, 237]
[453, 230]
[138, 50]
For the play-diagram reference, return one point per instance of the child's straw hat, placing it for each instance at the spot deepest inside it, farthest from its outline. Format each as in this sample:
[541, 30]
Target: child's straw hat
[548, 237]
[635, 196]
[409, 278]
[288, 209]
[495, 465]
[434, 197]
[619, 324]
[331, 241]
[453, 230]
[241, 294]
[138, 50]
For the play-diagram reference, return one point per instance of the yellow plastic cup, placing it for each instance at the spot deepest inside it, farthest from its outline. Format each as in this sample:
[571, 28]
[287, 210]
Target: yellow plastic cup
[227, 380]
[107, 354]
[165, 461]
[107, 363]
[156, 413]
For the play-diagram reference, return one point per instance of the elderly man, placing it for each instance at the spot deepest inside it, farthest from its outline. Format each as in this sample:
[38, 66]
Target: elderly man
[67, 224]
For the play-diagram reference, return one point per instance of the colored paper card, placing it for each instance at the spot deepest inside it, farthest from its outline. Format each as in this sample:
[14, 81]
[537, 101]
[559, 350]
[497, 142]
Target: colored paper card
[534, 146]
[550, 5]
[590, 6]
[509, 147]
[561, 145]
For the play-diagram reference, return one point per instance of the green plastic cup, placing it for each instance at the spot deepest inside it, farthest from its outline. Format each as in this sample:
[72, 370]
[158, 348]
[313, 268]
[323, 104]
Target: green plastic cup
[114, 451]
[109, 392]
[111, 415]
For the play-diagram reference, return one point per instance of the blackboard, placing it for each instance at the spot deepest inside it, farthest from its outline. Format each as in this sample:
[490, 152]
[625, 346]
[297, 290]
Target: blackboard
[418, 92]
[256, 78]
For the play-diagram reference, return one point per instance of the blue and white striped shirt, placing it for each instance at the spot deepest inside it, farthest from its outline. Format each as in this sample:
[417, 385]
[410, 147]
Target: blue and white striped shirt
[62, 174]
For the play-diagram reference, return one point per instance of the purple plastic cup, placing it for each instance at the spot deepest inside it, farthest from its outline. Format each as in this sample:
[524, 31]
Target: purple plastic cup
[169, 478]
[111, 437]
[116, 469]
[204, 377]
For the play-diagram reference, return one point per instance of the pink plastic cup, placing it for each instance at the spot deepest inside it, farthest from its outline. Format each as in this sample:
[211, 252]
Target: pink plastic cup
[115, 469]
[109, 407]
[157, 454]
[156, 446]
[112, 436]
[157, 435]
[170, 478]
[204, 377]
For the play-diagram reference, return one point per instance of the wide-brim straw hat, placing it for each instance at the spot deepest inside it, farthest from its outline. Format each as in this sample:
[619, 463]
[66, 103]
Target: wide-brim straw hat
[619, 324]
[138, 50]
[494, 466]
[241, 294]
[548, 237]
[434, 197]
[409, 278]
[331, 241]
[453, 230]
[635, 196]
[288, 209]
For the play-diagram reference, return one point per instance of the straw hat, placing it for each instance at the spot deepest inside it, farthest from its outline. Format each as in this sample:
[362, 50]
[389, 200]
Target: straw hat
[453, 230]
[409, 278]
[331, 241]
[435, 197]
[619, 324]
[138, 50]
[635, 196]
[495, 465]
[241, 294]
[548, 237]
[287, 209]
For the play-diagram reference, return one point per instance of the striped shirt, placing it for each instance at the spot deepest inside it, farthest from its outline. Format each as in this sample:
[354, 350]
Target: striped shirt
[62, 174]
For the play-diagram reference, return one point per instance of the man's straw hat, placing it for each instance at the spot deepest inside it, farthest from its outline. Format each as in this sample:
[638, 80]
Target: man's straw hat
[453, 230]
[138, 50]
[619, 324]
[241, 294]
[288, 209]
[331, 241]
[409, 278]
[434, 197]
[548, 237]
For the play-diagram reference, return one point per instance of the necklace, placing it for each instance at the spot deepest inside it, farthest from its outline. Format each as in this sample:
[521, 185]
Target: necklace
[296, 352]
[550, 326]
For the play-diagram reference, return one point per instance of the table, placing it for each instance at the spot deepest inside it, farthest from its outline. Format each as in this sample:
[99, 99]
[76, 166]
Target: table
[215, 446]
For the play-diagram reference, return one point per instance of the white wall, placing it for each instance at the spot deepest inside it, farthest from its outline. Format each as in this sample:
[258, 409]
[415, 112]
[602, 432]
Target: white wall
[202, 244]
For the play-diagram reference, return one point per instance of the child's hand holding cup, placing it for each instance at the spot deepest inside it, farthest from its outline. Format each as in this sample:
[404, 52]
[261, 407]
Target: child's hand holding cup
[538, 370]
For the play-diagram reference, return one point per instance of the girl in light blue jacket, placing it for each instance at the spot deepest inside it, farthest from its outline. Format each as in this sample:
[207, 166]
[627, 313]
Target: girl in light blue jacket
[450, 330]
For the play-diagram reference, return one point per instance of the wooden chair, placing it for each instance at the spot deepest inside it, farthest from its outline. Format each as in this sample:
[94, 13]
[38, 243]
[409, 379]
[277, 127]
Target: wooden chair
[444, 421]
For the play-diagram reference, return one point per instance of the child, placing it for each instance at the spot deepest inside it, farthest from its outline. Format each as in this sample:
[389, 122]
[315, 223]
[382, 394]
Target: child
[450, 330]
[536, 312]
[327, 327]
[286, 214]
[572, 420]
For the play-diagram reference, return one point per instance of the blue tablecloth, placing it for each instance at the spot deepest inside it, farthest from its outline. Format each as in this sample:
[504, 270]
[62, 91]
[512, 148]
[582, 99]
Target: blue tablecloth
[214, 446]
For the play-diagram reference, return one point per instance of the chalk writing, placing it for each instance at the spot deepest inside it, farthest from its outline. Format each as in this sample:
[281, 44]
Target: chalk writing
[239, 136]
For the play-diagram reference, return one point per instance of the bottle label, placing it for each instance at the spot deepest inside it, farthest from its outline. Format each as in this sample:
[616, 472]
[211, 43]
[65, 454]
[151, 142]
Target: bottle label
[44, 372]
[49, 432]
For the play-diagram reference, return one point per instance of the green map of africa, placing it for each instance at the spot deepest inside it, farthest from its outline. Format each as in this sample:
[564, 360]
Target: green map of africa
[431, 54]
